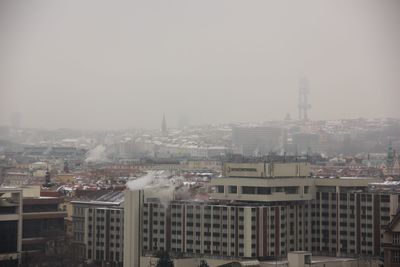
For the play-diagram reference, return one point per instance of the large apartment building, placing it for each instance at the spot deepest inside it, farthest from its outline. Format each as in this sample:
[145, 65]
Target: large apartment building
[262, 210]
[104, 237]
[350, 223]
[225, 230]
[98, 227]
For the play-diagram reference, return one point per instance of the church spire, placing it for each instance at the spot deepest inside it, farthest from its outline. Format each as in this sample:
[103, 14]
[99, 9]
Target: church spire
[390, 155]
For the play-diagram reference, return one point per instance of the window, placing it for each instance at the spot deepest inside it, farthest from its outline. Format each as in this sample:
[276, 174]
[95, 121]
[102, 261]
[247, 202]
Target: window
[279, 189]
[292, 190]
[396, 257]
[385, 198]
[396, 238]
[219, 189]
[232, 189]
[263, 190]
[243, 170]
[248, 190]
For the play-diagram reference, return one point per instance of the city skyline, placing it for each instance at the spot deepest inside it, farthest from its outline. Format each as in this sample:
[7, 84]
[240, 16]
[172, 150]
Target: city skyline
[69, 65]
[200, 133]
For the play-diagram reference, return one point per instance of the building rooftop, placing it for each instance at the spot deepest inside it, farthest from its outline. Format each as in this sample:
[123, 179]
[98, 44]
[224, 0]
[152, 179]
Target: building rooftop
[110, 198]
[113, 196]
[10, 189]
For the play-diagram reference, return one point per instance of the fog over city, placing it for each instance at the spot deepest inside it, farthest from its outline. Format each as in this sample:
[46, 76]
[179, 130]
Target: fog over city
[209, 133]
[112, 65]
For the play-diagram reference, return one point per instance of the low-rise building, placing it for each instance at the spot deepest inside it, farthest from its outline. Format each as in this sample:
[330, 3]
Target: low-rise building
[43, 233]
[10, 226]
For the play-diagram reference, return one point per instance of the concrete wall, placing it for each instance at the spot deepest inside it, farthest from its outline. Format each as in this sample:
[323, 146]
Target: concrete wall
[188, 262]
[132, 228]
[265, 170]
[272, 183]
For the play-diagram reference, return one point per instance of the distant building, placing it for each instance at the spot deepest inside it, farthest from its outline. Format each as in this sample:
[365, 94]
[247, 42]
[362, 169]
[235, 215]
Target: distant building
[65, 178]
[15, 179]
[392, 167]
[57, 152]
[304, 142]
[255, 141]
[391, 155]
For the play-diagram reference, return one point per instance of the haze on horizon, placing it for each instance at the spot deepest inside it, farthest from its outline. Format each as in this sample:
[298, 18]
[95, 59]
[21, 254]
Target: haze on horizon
[111, 65]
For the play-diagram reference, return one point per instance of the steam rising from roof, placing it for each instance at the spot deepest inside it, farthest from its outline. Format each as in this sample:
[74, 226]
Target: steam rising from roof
[158, 184]
[97, 154]
[152, 179]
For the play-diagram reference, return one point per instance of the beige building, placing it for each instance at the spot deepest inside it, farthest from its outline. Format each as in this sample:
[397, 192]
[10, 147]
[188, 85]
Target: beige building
[262, 210]
[15, 179]
[98, 229]
[65, 178]
[145, 224]
[68, 208]
[264, 182]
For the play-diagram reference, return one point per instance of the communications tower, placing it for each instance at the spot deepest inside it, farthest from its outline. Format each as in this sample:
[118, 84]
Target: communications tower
[303, 100]
[164, 130]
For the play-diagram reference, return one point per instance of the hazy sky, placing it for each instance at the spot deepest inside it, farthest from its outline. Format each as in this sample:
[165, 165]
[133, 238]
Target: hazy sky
[122, 64]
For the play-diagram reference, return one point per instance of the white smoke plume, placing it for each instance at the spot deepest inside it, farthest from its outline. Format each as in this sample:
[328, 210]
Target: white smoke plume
[145, 181]
[158, 185]
[97, 154]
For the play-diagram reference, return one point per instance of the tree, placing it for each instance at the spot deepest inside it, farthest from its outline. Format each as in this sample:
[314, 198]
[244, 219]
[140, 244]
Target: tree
[203, 263]
[164, 260]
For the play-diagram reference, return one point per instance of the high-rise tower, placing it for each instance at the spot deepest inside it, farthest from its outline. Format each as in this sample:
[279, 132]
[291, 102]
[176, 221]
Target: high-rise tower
[303, 100]
[164, 126]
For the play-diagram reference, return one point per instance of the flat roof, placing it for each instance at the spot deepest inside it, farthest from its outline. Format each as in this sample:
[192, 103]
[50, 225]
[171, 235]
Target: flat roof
[10, 189]
[347, 178]
[315, 259]
[321, 259]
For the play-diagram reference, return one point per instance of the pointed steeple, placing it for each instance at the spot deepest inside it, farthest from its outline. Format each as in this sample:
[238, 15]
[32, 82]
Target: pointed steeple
[47, 178]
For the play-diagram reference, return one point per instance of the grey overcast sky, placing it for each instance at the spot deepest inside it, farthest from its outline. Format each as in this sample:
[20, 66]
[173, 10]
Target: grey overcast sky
[122, 64]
